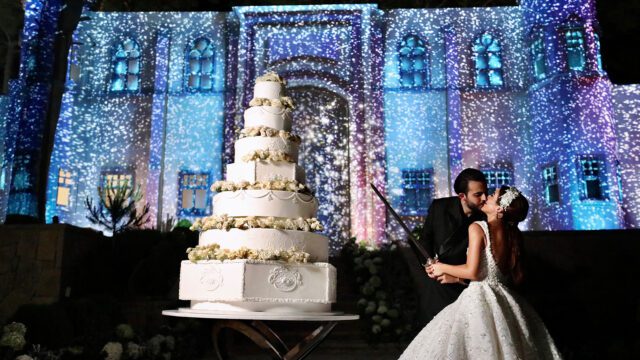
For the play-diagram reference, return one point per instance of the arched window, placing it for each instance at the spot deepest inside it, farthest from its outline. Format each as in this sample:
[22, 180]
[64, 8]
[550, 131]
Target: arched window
[414, 62]
[598, 54]
[574, 40]
[488, 59]
[126, 67]
[199, 66]
[538, 57]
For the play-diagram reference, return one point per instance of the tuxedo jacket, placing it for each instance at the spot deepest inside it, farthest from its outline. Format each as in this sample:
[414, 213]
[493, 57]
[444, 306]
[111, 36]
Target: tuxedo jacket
[446, 234]
[446, 230]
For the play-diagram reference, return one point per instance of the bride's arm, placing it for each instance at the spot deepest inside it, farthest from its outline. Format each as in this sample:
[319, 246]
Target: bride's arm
[470, 270]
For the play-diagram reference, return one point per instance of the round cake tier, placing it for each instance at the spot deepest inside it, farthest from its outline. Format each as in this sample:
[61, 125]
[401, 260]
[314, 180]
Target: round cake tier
[317, 245]
[268, 90]
[256, 170]
[277, 117]
[282, 204]
[248, 145]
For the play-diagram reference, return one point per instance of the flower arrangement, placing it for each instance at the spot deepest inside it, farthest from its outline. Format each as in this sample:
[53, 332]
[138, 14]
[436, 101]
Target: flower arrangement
[267, 155]
[272, 76]
[224, 222]
[214, 252]
[277, 184]
[179, 342]
[13, 336]
[266, 131]
[282, 102]
[387, 300]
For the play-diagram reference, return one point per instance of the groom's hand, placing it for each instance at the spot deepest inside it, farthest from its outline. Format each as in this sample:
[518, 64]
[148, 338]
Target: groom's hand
[447, 279]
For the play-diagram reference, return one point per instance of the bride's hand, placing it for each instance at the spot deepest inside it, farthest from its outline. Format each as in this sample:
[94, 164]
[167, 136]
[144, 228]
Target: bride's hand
[435, 270]
[428, 271]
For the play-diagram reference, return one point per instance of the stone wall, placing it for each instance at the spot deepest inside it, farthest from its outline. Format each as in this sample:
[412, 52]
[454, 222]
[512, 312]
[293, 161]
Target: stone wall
[39, 263]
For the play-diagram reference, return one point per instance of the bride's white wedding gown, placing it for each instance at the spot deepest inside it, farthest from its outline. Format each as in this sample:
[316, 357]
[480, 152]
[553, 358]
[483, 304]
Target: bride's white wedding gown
[487, 321]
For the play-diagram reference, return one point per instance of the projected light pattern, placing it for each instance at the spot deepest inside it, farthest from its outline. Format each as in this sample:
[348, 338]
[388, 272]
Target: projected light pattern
[452, 124]
[626, 100]
[29, 105]
[539, 101]
[333, 50]
[155, 133]
[5, 106]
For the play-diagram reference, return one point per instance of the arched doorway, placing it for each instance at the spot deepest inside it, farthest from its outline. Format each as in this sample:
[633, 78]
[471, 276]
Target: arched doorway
[321, 118]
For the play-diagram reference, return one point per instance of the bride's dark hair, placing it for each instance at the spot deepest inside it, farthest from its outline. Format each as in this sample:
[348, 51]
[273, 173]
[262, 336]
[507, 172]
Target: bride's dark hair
[508, 252]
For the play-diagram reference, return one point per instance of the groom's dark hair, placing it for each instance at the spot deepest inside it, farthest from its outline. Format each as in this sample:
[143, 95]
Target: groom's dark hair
[461, 184]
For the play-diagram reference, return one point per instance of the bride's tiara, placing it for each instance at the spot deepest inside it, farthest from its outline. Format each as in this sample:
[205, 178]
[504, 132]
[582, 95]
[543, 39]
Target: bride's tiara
[509, 195]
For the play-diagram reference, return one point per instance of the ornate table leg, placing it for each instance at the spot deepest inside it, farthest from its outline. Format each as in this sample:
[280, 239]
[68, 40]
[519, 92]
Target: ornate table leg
[310, 342]
[266, 339]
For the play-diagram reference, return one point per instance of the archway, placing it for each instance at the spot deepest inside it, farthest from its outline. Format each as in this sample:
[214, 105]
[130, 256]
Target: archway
[321, 118]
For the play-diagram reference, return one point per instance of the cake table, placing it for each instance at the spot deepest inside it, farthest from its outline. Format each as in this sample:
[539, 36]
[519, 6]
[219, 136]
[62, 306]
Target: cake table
[251, 325]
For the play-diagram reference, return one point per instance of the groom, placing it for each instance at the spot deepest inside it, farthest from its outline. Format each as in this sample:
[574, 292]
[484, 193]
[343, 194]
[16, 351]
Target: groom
[446, 234]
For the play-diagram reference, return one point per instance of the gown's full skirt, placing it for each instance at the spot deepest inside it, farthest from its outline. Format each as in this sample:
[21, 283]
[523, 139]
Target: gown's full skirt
[488, 321]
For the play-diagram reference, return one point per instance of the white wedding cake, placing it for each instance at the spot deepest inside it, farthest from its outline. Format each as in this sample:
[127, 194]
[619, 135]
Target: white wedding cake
[259, 251]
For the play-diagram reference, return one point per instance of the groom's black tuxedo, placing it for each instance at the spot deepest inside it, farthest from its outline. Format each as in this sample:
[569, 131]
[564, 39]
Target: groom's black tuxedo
[445, 233]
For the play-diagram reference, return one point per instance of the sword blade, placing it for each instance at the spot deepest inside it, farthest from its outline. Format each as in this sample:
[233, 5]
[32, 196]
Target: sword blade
[419, 250]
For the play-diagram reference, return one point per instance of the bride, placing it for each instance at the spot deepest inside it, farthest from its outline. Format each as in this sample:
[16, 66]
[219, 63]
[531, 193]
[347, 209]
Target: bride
[488, 320]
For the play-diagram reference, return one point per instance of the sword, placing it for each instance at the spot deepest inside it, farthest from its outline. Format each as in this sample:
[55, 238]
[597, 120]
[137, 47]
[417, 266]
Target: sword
[421, 253]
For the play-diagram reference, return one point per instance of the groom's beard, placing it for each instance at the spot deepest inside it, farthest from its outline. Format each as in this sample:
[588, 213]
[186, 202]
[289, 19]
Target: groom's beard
[475, 208]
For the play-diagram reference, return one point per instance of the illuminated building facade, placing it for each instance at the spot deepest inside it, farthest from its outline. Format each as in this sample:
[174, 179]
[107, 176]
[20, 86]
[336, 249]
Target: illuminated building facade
[404, 98]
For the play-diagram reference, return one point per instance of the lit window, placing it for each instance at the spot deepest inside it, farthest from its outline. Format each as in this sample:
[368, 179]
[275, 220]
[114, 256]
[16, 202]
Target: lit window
[592, 171]
[3, 177]
[574, 38]
[598, 54]
[496, 179]
[414, 62]
[488, 61]
[21, 181]
[550, 181]
[114, 180]
[193, 199]
[65, 182]
[538, 56]
[199, 66]
[126, 67]
[416, 186]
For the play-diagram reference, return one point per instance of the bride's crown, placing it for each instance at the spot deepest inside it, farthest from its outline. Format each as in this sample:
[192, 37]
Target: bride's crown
[509, 195]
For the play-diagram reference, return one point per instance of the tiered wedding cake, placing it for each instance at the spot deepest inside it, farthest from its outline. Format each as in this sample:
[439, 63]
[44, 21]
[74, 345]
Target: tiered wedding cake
[259, 252]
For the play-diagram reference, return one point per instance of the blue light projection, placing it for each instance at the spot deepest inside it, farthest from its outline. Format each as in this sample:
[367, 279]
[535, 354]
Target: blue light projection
[488, 59]
[539, 57]
[575, 49]
[126, 66]
[414, 62]
[158, 131]
[29, 105]
[199, 71]
[405, 99]
[626, 101]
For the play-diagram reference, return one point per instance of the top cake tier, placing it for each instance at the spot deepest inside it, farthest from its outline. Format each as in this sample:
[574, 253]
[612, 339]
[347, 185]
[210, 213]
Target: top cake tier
[268, 90]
